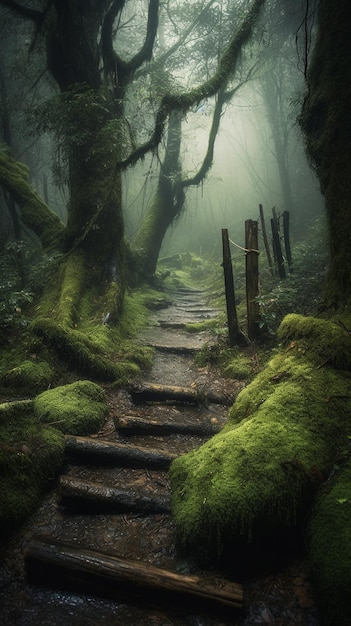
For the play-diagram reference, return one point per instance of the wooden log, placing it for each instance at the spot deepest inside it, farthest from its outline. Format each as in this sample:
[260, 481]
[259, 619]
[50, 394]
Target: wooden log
[100, 452]
[53, 563]
[152, 392]
[88, 496]
[131, 425]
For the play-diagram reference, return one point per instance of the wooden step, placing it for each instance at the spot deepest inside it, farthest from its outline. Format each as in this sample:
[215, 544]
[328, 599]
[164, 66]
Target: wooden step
[131, 425]
[152, 392]
[99, 452]
[70, 566]
[86, 496]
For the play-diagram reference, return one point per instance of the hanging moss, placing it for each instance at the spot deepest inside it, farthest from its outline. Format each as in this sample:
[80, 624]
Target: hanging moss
[258, 475]
[76, 409]
[330, 545]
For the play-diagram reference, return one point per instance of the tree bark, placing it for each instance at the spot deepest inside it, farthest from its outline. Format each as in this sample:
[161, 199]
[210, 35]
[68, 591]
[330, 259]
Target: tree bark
[50, 562]
[325, 121]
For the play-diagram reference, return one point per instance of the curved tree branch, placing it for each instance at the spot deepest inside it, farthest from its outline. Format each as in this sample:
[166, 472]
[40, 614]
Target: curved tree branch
[32, 14]
[184, 101]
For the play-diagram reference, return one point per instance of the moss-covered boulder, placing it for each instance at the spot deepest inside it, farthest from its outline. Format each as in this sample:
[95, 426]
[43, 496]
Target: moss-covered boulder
[76, 409]
[258, 475]
[30, 455]
[330, 545]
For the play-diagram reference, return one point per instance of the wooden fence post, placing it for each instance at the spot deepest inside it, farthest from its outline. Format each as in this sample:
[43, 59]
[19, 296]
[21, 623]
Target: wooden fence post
[235, 334]
[278, 255]
[286, 229]
[251, 245]
[265, 240]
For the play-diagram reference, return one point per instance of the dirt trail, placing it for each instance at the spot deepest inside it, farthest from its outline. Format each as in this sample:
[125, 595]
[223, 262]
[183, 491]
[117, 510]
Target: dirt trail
[123, 531]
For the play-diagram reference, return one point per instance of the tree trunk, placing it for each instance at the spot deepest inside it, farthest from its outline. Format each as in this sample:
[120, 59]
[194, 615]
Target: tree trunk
[325, 120]
[167, 202]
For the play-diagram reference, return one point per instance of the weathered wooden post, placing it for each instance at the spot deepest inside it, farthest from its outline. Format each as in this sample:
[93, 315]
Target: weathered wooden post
[265, 240]
[278, 254]
[251, 245]
[286, 231]
[235, 335]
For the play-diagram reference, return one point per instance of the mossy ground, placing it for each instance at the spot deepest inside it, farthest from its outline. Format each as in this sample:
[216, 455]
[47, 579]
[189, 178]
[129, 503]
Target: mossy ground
[330, 547]
[32, 442]
[259, 474]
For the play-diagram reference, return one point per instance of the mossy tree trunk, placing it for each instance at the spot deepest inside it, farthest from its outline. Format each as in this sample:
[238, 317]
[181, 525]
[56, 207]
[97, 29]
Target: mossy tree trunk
[167, 202]
[326, 122]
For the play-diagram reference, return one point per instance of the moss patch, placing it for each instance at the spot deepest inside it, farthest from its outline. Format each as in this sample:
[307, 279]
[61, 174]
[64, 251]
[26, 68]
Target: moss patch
[76, 409]
[30, 455]
[257, 476]
[330, 539]
[31, 376]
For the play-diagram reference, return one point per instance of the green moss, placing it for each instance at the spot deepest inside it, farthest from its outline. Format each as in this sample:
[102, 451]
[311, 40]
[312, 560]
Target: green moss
[77, 409]
[257, 476]
[239, 368]
[199, 327]
[330, 545]
[34, 212]
[30, 456]
[321, 341]
[31, 376]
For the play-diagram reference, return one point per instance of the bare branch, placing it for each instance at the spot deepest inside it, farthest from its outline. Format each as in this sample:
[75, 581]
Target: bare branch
[32, 14]
[184, 101]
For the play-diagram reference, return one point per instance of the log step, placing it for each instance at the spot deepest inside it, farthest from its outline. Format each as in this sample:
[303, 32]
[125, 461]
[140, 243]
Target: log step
[53, 563]
[131, 425]
[87, 496]
[152, 392]
[99, 452]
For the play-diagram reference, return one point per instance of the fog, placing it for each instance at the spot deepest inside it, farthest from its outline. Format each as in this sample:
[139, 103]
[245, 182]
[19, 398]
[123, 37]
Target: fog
[245, 170]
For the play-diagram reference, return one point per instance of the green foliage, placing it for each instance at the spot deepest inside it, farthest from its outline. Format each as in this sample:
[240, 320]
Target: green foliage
[24, 269]
[302, 291]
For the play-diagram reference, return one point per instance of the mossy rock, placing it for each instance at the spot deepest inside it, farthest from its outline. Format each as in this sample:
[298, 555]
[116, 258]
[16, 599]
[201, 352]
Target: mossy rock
[258, 475]
[31, 376]
[30, 457]
[76, 409]
[330, 547]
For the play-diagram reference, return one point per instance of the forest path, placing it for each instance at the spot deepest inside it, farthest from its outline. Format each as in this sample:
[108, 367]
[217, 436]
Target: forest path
[122, 507]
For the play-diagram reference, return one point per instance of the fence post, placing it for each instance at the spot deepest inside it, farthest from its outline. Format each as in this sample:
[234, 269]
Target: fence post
[265, 240]
[278, 255]
[251, 245]
[286, 231]
[235, 334]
